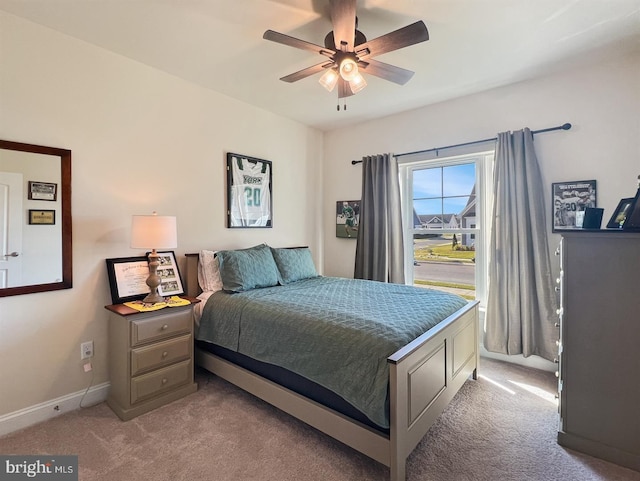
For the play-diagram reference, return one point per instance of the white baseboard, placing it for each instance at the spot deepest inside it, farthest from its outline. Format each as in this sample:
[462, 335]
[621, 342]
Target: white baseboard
[534, 362]
[50, 409]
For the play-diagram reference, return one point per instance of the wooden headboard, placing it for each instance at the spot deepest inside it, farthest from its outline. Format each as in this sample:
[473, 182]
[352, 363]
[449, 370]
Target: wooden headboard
[192, 288]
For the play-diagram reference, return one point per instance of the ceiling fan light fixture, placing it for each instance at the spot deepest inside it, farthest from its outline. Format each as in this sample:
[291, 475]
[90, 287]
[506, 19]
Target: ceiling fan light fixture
[329, 79]
[348, 69]
[358, 83]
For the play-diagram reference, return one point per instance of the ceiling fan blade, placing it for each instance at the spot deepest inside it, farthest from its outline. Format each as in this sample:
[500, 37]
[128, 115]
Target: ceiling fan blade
[307, 72]
[385, 71]
[296, 43]
[343, 18]
[343, 89]
[410, 35]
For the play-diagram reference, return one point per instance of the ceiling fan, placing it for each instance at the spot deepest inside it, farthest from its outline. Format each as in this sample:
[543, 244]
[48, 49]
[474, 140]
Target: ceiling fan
[348, 52]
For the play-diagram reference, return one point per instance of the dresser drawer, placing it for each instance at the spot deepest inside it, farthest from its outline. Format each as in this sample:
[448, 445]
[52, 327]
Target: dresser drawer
[148, 385]
[159, 326]
[160, 354]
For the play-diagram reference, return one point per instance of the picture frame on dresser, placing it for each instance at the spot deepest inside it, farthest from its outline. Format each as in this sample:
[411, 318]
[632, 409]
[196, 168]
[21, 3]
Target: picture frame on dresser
[128, 278]
[568, 200]
[620, 214]
[632, 221]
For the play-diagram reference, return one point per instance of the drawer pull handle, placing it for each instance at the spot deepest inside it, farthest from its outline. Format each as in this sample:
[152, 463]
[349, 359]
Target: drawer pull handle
[165, 354]
[165, 327]
[164, 380]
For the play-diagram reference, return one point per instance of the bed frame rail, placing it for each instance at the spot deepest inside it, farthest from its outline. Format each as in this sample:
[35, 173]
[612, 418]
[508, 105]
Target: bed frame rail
[369, 442]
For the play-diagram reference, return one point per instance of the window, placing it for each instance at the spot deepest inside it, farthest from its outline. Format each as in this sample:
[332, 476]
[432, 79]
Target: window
[444, 203]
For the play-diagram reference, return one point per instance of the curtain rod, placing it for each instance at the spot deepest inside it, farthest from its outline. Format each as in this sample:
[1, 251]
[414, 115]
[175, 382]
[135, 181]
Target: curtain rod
[566, 126]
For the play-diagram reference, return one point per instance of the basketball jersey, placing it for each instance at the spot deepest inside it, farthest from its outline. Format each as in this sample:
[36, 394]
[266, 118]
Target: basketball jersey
[250, 194]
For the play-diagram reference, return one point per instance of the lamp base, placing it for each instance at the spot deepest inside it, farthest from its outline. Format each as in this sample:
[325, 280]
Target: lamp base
[153, 281]
[153, 298]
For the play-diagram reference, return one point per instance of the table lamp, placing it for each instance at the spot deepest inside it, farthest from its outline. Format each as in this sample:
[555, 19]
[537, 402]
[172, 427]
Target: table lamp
[153, 232]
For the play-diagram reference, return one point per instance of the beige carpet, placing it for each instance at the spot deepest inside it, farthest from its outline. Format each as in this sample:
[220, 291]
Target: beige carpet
[501, 427]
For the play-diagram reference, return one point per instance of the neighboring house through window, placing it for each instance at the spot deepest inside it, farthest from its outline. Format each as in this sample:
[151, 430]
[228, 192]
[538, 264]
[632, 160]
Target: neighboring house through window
[445, 204]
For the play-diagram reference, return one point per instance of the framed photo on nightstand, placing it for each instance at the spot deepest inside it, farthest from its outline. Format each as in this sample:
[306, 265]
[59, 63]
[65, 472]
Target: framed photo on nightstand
[128, 278]
[170, 279]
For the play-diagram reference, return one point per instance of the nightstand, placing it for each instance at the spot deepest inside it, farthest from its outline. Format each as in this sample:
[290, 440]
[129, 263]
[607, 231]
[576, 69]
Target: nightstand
[150, 358]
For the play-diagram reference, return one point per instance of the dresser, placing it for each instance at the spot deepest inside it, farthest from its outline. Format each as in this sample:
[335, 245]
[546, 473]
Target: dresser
[599, 345]
[150, 358]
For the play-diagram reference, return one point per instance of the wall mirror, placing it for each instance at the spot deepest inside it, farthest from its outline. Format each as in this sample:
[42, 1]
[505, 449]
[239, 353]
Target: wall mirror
[35, 218]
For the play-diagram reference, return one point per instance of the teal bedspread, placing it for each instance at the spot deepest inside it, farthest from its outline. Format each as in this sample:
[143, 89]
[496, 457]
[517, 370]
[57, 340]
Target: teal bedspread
[336, 332]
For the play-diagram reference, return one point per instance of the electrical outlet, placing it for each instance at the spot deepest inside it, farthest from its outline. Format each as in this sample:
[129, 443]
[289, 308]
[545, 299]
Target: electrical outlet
[86, 350]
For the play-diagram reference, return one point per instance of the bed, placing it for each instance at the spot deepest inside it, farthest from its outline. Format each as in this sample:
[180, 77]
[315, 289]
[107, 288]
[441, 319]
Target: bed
[409, 373]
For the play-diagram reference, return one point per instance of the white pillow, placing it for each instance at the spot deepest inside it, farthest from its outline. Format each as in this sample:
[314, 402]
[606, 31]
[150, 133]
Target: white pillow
[209, 272]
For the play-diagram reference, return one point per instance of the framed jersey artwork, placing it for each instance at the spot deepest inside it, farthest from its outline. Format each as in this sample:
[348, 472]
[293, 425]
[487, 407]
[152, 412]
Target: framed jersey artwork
[249, 191]
[570, 201]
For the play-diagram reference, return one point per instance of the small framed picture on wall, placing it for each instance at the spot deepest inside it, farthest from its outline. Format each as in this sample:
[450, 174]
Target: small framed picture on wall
[347, 218]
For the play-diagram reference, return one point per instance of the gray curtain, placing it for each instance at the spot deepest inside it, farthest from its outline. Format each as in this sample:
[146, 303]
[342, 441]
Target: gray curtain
[380, 247]
[521, 305]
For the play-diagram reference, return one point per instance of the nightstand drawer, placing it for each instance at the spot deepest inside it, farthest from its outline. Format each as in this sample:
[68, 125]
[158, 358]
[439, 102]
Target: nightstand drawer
[156, 382]
[159, 326]
[160, 354]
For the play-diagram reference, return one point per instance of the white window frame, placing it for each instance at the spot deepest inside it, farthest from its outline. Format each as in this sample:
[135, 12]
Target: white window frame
[484, 203]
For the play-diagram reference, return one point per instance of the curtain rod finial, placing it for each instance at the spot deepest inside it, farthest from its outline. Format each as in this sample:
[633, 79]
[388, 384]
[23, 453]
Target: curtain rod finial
[566, 126]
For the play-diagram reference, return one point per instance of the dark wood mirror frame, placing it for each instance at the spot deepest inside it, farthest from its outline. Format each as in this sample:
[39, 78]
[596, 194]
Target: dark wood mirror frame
[65, 193]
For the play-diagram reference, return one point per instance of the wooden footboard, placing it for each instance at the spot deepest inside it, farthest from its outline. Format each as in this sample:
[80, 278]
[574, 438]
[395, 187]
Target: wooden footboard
[424, 377]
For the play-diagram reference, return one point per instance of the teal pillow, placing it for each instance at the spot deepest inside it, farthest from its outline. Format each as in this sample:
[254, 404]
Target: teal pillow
[294, 264]
[246, 269]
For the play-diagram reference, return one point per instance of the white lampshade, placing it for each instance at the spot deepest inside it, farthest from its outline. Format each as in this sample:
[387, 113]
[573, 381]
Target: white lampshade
[154, 232]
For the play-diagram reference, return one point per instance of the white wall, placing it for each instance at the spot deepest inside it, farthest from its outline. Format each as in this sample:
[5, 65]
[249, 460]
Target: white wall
[141, 140]
[602, 102]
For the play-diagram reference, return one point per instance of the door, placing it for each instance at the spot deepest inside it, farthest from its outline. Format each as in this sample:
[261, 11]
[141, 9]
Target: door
[11, 187]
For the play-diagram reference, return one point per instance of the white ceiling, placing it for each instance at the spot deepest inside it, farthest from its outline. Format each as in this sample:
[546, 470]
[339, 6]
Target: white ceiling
[474, 45]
